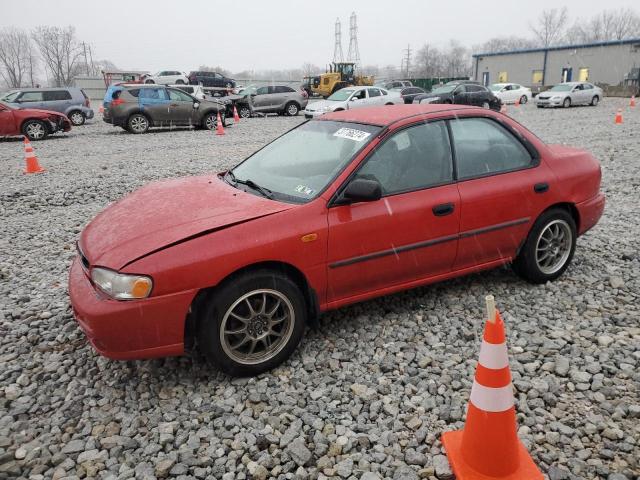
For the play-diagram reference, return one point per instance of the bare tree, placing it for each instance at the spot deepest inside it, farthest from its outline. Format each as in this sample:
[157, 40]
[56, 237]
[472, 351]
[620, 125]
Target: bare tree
[60, 52]
[607, 25]
[309, 69]
[505, 44]
[549, 28]
[17, 62]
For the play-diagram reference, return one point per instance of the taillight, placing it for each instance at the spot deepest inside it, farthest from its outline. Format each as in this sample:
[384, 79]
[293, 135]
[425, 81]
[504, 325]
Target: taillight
[305, 94]
[117, 101]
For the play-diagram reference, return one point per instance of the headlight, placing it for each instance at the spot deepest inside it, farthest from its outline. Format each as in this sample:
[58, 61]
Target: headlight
[121, 286]
[326, 108]
[555, 97]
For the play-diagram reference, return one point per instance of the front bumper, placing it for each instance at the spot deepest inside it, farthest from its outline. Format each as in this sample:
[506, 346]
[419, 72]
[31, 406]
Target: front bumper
[548, 102]
[590, 212]
[313, 113]
[61, 124]
[128, 330]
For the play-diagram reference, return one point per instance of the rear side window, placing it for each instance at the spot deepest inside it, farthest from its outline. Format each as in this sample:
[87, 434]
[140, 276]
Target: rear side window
[415, 158]
[484, 147]
[283, 89]
[135, 92]
[31, 97]
[374, 92]
[152, 94]
[56, 95]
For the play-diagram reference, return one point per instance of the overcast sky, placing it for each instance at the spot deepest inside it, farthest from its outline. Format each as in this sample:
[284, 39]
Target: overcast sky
[276, 34]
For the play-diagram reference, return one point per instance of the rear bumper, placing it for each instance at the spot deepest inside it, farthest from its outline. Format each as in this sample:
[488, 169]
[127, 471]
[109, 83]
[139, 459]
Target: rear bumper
[127, 330]
[590, 212]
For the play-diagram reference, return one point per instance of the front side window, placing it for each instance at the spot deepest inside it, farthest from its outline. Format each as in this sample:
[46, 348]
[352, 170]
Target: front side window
[262, 91]
[178, 96]
[31, 97]
[341, 95]
[362, 94]
[484, 147]
[415, 158]
[299, 165]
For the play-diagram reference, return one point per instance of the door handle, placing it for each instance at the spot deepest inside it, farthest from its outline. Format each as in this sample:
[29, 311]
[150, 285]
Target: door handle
[443, 209]
[541, 187]
[174, 105]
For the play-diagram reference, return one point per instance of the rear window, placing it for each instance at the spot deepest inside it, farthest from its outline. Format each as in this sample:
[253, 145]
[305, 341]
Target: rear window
[50, 96]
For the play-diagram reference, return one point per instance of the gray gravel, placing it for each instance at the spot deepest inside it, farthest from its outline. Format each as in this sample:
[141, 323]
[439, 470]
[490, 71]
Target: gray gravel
[364, 397]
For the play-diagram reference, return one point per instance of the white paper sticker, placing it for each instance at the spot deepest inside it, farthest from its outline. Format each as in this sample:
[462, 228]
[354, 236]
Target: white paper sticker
[352, 134]
[304, 190]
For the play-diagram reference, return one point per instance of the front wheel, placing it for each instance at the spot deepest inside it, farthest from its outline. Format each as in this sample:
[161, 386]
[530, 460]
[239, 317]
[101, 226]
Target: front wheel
[566, 103]
[210, 121]
[138, 123]
[523, 99]
[244, 111]
[291, 109]
[35, 130]
[595, 100]
[252, 323]
[77, 118]
[549, 248]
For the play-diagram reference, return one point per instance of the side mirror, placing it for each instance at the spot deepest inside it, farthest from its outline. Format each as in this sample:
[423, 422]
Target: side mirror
[353, 99]
[196, 105]
[362, 190]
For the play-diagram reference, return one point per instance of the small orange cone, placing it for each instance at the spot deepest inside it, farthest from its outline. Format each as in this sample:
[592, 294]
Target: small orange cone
[30, 159]
[517, 102]
[101, 109]
[219, 127]
[236, 117]
[488, 447]
[618, 118]
[632, 102]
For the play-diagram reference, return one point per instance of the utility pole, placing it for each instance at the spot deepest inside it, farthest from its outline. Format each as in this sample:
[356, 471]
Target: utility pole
[86, 60]
[338, 56]
[93, 68]
[407, 59]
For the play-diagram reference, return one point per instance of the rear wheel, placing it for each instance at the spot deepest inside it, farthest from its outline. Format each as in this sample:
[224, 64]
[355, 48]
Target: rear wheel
[148, 82]
[566, 103]
[549, 248]
[595, 100]
[244, 111]
[291, 109]
[77, 118]
[138, 123]
[252, 323]
[523, 99]
[35, 130]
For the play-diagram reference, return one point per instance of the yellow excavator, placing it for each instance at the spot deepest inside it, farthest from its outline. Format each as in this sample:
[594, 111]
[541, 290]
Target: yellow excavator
[340, 75]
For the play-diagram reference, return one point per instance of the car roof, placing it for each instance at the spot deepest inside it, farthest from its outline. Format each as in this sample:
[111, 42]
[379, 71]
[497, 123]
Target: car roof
[389, 114]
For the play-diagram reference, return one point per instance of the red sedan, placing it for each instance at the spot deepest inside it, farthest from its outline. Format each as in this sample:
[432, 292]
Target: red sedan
[341, 209]
[33, 123]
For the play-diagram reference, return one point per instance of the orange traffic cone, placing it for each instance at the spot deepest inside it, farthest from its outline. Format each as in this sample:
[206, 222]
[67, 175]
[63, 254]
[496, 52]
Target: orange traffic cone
[101, 109]
[219, 127]
[236, 117]
[517, 102]
[632, 102]
[618, 118]
[30, 159]
[488, 447]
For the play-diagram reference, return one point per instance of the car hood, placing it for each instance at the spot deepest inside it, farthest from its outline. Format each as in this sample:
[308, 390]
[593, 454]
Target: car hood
[165, 213]
[320, 104]
[36, 110]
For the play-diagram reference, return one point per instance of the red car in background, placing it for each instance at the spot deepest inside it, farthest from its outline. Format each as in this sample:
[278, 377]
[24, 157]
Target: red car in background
[34, 124]
[341, 209]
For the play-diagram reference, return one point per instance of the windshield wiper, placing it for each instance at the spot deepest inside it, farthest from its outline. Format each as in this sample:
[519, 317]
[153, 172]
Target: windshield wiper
[251, 184]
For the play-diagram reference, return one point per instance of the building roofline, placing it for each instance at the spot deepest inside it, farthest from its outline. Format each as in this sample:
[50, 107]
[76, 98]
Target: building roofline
[561, 47]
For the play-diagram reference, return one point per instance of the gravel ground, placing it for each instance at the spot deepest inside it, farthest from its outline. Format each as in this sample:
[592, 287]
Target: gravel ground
[368, 394]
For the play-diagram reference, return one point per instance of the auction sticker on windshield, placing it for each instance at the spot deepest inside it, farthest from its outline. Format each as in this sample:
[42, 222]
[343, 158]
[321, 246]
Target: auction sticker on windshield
[352, 134]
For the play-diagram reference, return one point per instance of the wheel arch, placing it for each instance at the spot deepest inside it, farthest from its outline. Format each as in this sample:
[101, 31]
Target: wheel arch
[140, 111]
[47, 125]
[567, 206]
[295, 274]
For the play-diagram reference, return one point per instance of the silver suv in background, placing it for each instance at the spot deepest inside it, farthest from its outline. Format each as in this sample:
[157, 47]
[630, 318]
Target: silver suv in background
[280, 99]
[71, 101]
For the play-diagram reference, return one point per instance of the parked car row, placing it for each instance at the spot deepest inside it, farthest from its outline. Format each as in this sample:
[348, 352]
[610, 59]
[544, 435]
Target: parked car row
[280, 99]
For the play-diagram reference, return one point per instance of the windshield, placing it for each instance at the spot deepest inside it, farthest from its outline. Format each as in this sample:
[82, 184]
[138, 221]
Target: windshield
[10, 97]
[496, 88]
[299, 165]
[341, 95]
[445, 89]
[562, 88]
[249, 90]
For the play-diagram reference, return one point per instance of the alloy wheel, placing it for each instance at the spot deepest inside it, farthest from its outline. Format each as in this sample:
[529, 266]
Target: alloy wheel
[553, 246]
[77, 118]
[35, 131]
[139, 124]
[292, 110]
[257, 326]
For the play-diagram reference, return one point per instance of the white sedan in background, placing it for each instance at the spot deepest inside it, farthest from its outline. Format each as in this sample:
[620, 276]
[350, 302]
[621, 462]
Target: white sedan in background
[510, 92]
[168, 77]
[353, 97]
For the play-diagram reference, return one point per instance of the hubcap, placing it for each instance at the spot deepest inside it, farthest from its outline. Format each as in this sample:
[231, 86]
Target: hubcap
[139, 124]
[293, 109]
[257, 326]
[76, 118]
[35, 131]
[211, 122]
[553, 247]
[245, 112]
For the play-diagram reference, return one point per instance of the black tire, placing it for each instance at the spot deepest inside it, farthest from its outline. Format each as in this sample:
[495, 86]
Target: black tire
[595, 100]
[566, 103]
[179, 82]
[291, 109]
[388, 104]
[210, 120]
[35, 130]
[149, 82]
[138, 123]
[244, 111]
[77, 118]
[216, 307]
[523, 99]
[526, 263]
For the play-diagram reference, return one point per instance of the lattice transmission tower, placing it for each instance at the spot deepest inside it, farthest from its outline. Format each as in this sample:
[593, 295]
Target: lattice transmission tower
[338, 56]
[354, 51]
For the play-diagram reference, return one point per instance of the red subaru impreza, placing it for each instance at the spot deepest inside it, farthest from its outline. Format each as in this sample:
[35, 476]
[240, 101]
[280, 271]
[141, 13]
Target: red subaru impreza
[344, 208]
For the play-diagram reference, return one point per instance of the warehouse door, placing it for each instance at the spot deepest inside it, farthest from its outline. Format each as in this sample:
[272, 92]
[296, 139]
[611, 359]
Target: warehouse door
[485, 79]
[566, 74]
